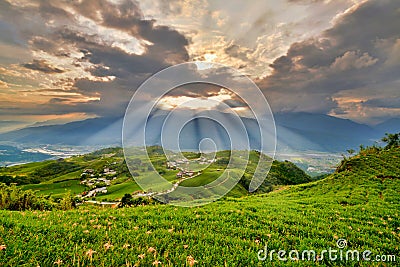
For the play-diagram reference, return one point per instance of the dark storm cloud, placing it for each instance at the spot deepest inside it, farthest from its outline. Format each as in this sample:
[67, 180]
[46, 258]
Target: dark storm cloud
[196, 90]
[235, 103]
[43, 66]
[56, 28]
[165, 47]
[235, 51]
[167, 43]
[347, 56]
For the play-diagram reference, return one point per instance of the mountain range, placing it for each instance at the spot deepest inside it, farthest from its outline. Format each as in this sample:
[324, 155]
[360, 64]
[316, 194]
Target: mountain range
[295, 132]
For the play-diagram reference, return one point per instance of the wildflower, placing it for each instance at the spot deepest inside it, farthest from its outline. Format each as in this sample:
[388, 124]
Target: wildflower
[141, 256]
[90, 253]
[3, 247]
[148, 232]
[156, 262]
[185, 246]
[58, 262]
[269, 235]
[151, 249]
[126, 245]
[170, 230]
[191, 261]
[107, 246]
[86, 231]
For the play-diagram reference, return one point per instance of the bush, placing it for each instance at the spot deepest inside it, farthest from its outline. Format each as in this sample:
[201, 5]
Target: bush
[14, 198]
[67, 203]
[128, 200]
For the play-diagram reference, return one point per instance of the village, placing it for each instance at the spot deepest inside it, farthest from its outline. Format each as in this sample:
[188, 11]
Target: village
[97, 182]
[183, 166]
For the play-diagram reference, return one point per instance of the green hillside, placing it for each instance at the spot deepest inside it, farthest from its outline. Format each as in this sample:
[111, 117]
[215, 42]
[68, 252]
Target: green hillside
[360, 203]
[58, 177]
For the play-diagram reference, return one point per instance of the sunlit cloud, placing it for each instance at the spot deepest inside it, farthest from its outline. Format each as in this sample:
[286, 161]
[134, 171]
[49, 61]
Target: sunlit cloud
[195, 103]
[88, 57]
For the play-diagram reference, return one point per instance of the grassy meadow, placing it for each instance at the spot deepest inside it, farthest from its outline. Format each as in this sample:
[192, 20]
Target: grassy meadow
[360, 203]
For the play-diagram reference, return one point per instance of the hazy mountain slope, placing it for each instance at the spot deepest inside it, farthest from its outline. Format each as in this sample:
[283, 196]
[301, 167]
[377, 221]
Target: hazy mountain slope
[87, 132]
[389, 126]
[295, 131]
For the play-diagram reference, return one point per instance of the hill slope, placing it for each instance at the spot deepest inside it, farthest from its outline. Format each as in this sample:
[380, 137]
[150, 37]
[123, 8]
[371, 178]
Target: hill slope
[359, 203]
[57, 177]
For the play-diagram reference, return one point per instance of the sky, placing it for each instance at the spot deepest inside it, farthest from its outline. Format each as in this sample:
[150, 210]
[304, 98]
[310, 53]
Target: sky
[63, 61]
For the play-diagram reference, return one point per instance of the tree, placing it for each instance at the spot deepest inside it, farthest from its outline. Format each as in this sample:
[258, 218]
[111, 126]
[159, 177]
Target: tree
[391, 140]
[126, 200]
[350, 151]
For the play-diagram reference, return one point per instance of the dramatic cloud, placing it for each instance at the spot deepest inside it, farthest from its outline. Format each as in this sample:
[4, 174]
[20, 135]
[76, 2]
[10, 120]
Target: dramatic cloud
[354, 54]
[352, 60]
[88, 57]
[43, 66]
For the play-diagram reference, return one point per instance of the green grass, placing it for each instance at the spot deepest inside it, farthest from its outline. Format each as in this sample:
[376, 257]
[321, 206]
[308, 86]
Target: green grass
[58, 172]
[57, 190]
[359, 203]
[119, 190]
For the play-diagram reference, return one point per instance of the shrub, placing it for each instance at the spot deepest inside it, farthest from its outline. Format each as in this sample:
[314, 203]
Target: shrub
[14, 198]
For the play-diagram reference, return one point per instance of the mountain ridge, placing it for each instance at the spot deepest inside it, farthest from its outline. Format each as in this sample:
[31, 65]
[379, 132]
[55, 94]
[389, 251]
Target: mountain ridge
[295, 131]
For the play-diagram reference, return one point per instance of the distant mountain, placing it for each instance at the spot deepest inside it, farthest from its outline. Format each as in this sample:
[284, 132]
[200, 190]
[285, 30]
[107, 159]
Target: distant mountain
[306, 131]
[389, 126]
[97, 131]
[295, 132]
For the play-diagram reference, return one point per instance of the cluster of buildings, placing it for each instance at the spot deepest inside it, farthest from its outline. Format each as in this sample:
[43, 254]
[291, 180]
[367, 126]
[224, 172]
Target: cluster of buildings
[185, 173]
[178, 163]
[98, 182]
[182, 164]
[94, 192]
